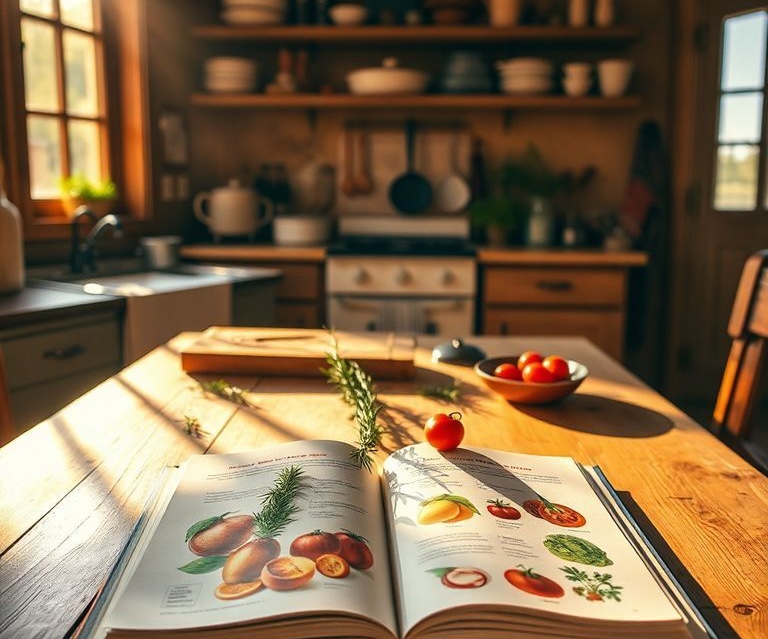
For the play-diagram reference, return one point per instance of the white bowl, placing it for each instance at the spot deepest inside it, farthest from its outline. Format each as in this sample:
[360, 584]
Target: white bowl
[525, 65]
[348, 14]
[576, 86]
[388, 79]
[278, 5]
[253, 15]
[229, 65]
[300, 230]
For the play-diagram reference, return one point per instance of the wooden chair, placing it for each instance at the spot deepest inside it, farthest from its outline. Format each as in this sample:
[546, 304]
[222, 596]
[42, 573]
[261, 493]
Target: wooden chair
[741, 386]
[7, 429]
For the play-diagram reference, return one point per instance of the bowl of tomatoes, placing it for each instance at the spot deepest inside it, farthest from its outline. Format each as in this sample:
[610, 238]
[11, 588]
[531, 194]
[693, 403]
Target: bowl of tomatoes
[532, 377]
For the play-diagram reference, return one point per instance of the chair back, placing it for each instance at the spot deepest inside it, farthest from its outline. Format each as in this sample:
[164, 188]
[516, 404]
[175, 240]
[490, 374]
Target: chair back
[741, 385]
[7, 429]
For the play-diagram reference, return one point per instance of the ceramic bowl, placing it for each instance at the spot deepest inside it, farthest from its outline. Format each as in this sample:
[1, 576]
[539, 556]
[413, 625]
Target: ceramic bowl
[528, 392]
[348, 14]
[389, 79]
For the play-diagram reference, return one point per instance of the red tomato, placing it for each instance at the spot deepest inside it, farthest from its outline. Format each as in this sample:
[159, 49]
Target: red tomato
[536, 373]
[508, 371]
[531, 506]
[557, 366]
[502, 509]
[444, 432]
[561, 515]
[533, 583]
[314, 544]
[355, 550]
[528, 358]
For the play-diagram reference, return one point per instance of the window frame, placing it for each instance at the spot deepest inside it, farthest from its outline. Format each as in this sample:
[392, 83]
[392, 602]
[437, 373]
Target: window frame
[125, 107]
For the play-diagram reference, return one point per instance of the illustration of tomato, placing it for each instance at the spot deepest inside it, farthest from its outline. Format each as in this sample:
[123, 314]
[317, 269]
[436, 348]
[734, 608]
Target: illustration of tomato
[557, 366]
[444, 432]
[508, 371]
[537, 374]
[531, 506]
[354, 548]
[561, 515]
[533, 583]
[314, 544]
[528, 358]
[502, 509]
[333, 566]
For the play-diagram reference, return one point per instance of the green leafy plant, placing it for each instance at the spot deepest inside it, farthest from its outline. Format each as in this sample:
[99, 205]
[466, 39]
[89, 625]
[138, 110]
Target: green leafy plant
[80, 187]
[598, 587]
[222, 388]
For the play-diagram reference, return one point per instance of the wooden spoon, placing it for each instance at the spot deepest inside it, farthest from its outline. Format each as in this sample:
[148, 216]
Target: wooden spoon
[363, 183]
[348, 186]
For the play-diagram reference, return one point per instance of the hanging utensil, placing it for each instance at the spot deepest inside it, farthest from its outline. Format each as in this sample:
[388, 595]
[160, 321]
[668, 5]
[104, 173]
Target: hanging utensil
[348, 187]
[411, 192]
[363, 182]
[453, 192]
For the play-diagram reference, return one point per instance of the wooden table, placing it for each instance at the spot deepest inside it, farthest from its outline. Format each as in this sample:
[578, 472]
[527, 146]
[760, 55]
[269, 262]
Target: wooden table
[73, 486]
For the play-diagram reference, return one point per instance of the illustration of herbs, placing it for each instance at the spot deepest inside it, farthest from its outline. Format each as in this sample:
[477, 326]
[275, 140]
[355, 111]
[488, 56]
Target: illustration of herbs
[278, 508]
[222, 388]
[356, 389]
[598, 587]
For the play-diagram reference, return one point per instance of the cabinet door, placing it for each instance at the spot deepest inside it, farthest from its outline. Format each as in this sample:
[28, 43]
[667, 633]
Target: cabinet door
[603, 328]
[298, 315]
[299, 281]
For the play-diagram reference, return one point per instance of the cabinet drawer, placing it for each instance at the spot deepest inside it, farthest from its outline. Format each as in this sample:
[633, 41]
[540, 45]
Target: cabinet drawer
[52, 354]
[299, 281]
[299, 315]
[554, 286]
[603, 328]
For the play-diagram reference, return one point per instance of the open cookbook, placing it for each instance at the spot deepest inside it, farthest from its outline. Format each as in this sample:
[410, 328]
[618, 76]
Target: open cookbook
[296, 541]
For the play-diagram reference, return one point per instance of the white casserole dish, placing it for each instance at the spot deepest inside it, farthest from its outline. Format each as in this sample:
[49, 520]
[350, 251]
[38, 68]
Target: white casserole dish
[388, 79]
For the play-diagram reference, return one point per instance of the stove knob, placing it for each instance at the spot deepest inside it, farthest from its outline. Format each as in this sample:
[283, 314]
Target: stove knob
[361, 276]
[403, 276]
[448, 277]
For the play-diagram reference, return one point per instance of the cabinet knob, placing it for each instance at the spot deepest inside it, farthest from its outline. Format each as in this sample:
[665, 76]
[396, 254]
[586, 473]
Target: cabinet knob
[61, 354]
[403, 276]
[554, 285]
[448, 277]
[361, 276]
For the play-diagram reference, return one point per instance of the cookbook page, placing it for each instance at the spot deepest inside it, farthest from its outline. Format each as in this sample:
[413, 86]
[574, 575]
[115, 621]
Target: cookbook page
[476, 526]
[282, 530]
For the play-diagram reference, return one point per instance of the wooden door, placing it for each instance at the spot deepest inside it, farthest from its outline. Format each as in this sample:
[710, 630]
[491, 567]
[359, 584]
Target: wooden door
[721, 205]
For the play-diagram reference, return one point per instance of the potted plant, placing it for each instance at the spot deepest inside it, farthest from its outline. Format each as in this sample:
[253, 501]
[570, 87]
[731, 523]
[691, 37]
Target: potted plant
[499, 215]
[78, 190]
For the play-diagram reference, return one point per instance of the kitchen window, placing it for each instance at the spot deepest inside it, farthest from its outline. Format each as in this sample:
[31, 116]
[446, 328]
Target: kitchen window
[741, 159]
[70, 73]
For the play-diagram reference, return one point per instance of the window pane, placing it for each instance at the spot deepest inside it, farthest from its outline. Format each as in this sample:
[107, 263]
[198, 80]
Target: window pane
[85, 148]
[736, 178]
[744, 51]
[741, 117]
[44, 156]
[77, 13]
[40, 75]
[43, 8]
[80, 74]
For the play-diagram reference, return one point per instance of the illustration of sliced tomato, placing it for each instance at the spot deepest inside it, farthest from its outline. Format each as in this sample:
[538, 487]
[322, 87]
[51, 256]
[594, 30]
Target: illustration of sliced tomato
[561, 515]
[332, 565]
[238, 591]
[533, 583]
[531, 506]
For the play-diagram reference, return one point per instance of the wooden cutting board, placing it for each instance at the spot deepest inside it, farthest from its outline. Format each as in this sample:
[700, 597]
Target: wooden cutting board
[297, 352]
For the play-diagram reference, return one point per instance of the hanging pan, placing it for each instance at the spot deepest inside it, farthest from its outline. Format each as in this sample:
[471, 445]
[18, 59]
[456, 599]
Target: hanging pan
[411, 192]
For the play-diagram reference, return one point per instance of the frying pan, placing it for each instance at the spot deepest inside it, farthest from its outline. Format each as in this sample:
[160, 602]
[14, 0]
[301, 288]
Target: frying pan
[410, 192]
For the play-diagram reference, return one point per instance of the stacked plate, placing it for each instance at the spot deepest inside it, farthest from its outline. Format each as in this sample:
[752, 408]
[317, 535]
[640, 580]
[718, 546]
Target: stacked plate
[254, 11]
[230, 75]
[466, 72]
[531, 76]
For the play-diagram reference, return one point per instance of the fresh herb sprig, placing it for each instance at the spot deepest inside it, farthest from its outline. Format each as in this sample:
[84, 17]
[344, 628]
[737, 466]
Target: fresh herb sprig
[356, 389]
[193, 427]
[598, 587]
[278, 506]
[447, 392]
[222, 388]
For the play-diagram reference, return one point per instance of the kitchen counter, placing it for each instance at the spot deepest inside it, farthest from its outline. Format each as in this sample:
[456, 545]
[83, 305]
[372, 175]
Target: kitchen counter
[248, 252]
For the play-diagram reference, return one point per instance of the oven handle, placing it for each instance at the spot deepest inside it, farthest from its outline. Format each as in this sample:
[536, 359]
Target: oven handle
[354, 303]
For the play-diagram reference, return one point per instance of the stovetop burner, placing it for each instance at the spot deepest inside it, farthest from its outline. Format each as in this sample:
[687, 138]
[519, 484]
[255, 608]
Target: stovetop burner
[397, 246]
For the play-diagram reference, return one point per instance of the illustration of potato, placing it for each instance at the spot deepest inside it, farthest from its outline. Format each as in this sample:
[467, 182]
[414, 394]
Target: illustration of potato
[219, 535]
[446, 509]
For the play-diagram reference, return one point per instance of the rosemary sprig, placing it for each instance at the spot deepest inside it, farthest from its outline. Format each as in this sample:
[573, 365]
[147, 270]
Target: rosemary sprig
[449, 392]
[356, 388]
[222, 388]
[278, 505]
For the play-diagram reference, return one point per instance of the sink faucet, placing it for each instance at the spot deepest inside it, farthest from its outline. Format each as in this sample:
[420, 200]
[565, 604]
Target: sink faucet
[82, 255]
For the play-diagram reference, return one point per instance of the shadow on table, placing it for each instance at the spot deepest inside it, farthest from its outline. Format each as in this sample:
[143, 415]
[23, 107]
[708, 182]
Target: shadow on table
[704, 604]
[600, 416]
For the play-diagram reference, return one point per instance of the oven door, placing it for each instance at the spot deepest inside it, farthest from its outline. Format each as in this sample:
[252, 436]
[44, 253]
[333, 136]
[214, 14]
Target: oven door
[449, 316]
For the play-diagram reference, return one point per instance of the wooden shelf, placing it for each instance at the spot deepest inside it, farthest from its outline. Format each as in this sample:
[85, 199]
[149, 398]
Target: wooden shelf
[429, 34]
[442, 101]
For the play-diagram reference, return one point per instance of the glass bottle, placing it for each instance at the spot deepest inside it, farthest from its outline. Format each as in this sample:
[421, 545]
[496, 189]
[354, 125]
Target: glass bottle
[541, 223]
[11, 242]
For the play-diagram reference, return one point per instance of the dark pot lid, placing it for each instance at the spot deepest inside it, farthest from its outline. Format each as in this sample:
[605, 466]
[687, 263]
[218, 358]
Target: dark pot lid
[457, 352]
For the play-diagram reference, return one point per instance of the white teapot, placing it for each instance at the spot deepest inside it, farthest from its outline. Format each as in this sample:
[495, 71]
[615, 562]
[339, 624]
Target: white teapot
[232, 210]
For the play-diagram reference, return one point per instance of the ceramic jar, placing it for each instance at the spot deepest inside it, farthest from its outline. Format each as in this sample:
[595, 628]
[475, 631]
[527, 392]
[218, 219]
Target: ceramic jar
[11, 243]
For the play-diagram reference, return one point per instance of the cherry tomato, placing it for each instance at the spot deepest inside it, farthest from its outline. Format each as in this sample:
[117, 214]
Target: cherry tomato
[355, 550]
[533, 583]
[561, 515]
[557, 366]
[528, 358]
[502, 509]
[444, 432]
[536, 373]
[508, 371]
